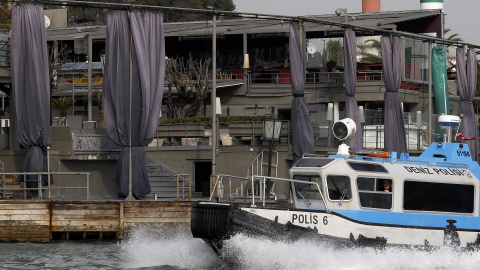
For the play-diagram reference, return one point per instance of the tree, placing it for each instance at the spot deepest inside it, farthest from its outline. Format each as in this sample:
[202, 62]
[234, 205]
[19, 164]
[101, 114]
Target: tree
[372, 57]
[97, 100]
[333, 52]
[5, 17]
[95, 16]
[191, 80]
[455, 37]
[57, 56]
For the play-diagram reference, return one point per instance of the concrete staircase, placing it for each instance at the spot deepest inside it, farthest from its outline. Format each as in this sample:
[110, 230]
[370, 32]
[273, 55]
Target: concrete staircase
[163, 182]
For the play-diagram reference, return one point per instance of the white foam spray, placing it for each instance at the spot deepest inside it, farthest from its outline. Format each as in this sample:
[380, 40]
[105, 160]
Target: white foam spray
[144, 247]
[259, 253]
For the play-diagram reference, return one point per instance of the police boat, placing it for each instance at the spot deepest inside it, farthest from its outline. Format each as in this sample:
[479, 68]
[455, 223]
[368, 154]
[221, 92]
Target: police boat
[366, 199]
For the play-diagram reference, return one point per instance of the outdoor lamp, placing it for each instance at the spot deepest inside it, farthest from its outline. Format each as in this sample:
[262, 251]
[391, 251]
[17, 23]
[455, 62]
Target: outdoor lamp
[361, 113]
[271, 133]
[339, 11]
[329, 112]
[246, 61]
[271, 129]
[102, 60]
[419, 119]
[218, 106]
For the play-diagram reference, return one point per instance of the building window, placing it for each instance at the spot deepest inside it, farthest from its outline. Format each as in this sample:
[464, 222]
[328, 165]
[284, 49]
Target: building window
[305, 190]
[339, 187]
[438, 197]
[375, 192]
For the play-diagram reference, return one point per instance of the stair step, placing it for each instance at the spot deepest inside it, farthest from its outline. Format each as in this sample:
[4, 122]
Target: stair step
[159, 173]
[162, 179]
[163, 184]
[162, 189]
[173, 195]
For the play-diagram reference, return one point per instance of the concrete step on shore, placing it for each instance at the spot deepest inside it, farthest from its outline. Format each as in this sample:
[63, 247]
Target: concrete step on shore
[163, 184]
[160, 173]
[161, 189]
[162, 179]
[172, 194]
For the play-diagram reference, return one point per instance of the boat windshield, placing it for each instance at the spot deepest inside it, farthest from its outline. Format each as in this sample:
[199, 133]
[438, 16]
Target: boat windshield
[339, 187]
[306, 191]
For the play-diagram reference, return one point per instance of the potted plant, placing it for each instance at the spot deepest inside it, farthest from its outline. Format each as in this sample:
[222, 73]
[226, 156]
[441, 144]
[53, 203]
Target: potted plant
[62, 104]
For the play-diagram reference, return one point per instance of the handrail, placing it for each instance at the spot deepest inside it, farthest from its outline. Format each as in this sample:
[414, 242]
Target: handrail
[49, 187]
[265, 178]
[219, 184]
[256, 167]
[314, 156]
[411, 160]
[450, 163]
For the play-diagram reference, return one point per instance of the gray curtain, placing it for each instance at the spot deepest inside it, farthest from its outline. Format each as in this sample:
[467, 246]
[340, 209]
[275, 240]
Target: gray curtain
[148, 72]
[31, 87]
[302, 132]
[350, 77]
[394, 136]
[466, 85]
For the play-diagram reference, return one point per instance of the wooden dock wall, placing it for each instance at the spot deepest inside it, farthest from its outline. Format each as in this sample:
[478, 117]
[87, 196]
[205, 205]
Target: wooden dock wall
[42, 221]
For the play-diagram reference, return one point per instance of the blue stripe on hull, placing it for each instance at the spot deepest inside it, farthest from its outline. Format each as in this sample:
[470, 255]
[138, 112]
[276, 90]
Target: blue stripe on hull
[411, 219]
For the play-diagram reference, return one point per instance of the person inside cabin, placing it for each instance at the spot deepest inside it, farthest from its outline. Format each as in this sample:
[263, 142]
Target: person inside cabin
[387, 185]
[331, 66]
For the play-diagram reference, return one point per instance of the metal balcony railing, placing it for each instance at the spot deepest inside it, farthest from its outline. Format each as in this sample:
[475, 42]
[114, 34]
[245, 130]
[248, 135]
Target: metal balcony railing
[94, 143]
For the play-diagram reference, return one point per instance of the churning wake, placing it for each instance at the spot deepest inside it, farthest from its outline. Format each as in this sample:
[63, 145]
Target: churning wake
[257, 253]
[148, 249]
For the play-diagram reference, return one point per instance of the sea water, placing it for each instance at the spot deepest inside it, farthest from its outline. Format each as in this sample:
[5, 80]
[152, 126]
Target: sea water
[147, 249]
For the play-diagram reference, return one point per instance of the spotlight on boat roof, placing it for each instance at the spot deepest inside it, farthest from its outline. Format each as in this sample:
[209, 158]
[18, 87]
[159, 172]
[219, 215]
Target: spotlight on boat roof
[344, 129]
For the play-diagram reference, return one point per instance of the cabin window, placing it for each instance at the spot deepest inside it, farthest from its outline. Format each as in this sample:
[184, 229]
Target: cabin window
[339, 187]
[367, 167]
[438, 197]
[375, 192]
[305, 190]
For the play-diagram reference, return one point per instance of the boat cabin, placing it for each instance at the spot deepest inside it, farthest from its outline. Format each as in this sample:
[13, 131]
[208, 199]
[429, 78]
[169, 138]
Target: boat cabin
[441, 180]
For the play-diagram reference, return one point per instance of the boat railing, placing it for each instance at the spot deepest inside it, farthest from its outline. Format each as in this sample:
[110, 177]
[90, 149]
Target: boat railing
[428, 163]
[314, 156]
[219, 186]
[449, 163]
[411, 161]
[262, 186]
[365, 158]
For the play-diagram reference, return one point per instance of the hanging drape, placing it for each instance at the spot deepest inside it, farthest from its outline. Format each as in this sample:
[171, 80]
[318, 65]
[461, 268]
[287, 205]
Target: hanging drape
[394, 134]
[466, 85]
[350, 78]
[137, 38]
[31, 87]
[302, 132]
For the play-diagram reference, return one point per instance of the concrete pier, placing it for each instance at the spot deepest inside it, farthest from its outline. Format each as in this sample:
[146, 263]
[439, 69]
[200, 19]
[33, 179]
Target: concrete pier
[44, 221]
